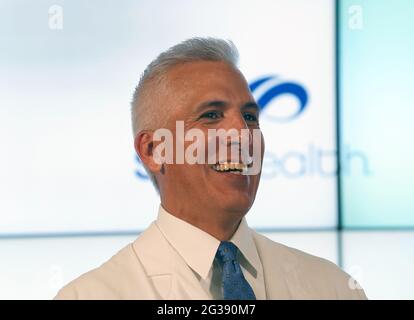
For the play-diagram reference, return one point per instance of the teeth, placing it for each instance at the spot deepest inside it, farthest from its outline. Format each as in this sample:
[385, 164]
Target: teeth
[227, 166]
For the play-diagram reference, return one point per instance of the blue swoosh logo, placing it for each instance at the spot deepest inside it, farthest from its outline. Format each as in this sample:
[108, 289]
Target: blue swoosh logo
[278, 90]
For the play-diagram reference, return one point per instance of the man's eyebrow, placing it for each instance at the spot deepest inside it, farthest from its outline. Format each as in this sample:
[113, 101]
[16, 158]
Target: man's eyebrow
[211, 103]
[251, 104]
[223, 104]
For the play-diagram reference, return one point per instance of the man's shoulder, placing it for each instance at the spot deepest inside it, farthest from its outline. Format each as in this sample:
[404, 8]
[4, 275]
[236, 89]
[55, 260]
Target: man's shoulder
[319, 276]
[292, 257]
[123, 276]
[103, 282]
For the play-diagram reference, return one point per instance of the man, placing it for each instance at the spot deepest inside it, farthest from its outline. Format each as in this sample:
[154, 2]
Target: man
[200, 246]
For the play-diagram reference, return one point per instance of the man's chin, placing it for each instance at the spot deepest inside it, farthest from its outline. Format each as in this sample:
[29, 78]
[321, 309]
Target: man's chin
[239, 204]
[230, 199]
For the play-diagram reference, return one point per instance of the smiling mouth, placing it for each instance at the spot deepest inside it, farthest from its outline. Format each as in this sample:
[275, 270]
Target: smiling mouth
[232, 167]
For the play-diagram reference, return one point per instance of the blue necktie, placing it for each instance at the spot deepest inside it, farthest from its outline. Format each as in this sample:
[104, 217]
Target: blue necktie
[235, 286]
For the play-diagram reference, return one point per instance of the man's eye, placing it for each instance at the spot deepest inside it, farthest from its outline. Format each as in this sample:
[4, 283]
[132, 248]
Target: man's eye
[211, 115]
[250, 117]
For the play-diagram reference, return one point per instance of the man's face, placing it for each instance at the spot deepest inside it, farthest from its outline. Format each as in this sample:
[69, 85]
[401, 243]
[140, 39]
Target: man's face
[210, 95]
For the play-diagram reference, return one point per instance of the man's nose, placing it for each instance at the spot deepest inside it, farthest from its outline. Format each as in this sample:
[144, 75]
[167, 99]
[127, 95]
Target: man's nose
[235, 121]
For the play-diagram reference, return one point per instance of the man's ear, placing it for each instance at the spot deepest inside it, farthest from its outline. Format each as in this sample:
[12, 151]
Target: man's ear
[144, 147]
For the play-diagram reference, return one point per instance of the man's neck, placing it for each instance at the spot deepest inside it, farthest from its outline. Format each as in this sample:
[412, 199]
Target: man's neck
[221, 229]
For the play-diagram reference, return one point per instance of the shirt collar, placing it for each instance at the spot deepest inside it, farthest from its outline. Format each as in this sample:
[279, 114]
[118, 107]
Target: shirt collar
[180, 233]
[243, 239]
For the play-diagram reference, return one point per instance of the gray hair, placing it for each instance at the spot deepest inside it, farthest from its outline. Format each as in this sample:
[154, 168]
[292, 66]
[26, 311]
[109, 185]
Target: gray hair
[146, 111]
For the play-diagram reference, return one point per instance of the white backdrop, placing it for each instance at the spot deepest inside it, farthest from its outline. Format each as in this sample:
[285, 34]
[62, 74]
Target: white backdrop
[67, 161]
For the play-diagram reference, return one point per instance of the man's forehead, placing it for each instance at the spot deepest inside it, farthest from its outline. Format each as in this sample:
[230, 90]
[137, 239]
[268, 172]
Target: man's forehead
[201, 71]
[207, 80]
[191, 84]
